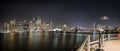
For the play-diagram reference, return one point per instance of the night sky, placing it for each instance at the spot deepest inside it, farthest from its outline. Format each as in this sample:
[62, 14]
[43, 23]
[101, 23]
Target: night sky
[72, 12]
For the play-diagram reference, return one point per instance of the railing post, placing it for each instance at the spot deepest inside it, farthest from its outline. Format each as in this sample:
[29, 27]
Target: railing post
[88, 43]
[102, 39]
[108, 36]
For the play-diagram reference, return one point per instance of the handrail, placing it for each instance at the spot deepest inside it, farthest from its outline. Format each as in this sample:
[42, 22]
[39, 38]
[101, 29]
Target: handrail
[114, 38]
[88, 43]
[83, 44]
[97, 41]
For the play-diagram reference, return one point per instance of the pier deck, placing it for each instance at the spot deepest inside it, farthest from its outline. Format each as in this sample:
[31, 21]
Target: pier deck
[112, 45]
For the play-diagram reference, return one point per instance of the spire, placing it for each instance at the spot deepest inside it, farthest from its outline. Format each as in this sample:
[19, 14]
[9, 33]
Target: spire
[51, 23]
[38, 18]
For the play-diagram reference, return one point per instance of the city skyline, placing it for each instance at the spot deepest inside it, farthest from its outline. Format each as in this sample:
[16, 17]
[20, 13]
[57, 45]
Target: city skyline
[74, 13]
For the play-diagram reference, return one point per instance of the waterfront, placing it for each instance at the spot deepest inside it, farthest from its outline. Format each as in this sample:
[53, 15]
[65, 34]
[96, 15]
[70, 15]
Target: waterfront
[39, 41]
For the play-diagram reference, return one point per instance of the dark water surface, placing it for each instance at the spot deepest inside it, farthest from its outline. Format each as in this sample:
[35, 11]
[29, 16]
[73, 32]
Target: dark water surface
[37, 41]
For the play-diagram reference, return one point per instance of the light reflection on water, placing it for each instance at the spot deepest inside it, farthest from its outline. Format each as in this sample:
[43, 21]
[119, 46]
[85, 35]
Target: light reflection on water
[39, 41]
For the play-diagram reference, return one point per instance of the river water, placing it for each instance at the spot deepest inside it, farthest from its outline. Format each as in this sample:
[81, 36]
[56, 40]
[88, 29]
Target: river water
[39, 41]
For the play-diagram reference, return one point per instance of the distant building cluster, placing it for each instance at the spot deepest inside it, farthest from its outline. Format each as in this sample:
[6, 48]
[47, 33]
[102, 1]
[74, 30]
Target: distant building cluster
[32, 25]
[36, 24]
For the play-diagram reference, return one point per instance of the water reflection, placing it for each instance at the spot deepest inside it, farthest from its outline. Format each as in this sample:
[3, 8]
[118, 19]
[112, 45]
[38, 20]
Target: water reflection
[11, 44]
[39, 41]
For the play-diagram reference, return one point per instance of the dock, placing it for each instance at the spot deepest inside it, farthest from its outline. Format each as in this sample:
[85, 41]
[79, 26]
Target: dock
[112, 45]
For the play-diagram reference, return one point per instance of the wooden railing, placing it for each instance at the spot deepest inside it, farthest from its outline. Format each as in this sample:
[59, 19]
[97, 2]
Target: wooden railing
[87, 45]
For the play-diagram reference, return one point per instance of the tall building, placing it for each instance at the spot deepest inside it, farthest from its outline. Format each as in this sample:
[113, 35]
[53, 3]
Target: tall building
[64, 27]
[25, 25]
[20, 26]
[5, 27]
[12, 23]
[13, 27]
[31, 25]
[8, 27]
[47, 26]
[34, 21]
[44, 25]
[38, 23]
[51, 25]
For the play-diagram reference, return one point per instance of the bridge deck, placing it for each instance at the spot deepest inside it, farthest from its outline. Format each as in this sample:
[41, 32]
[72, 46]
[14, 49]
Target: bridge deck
[112, 45]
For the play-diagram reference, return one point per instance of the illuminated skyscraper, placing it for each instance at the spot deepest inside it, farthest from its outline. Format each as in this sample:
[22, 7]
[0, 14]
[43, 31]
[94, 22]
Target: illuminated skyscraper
[8, 27]
[12, 25]
[34, 21]
[64, 27]
[47, 26]
[39, 21]
[31, 25]
[20, 26]
[51, 25]
[5, 27]
[39, 24]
